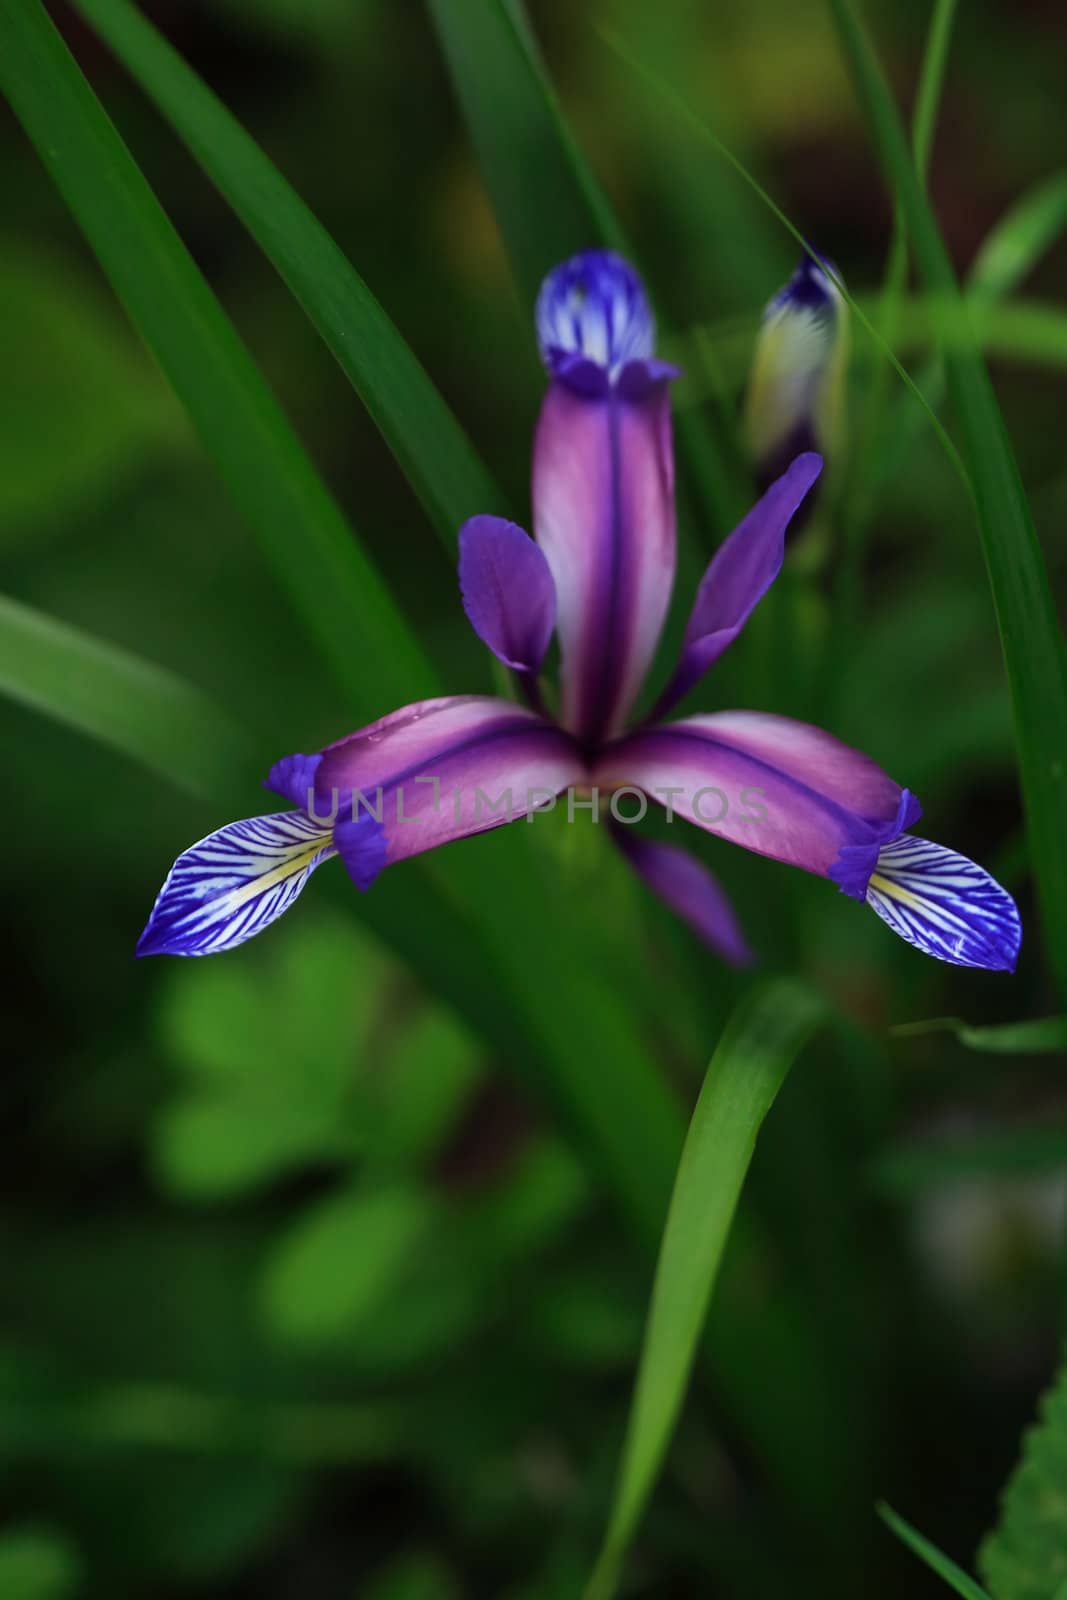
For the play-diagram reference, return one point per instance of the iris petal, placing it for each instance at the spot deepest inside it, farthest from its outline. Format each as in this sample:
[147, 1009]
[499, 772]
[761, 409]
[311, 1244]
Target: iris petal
[738, 576]
[689, 889]
[780, 788]
[945, 905]
[603, 498]
[438, 771]
[508, 593]
[233, 884]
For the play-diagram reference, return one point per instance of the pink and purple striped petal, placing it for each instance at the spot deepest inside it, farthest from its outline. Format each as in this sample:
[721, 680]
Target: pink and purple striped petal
[233, 884]
[431, 773]
[738, 576]
[603, 485]
[689, 889]
[603, 497]
[507, 589]
[945, 905]
[779, 788]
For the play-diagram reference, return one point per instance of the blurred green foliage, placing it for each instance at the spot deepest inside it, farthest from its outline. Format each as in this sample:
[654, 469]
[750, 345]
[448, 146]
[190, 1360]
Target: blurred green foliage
[1025, 1557]
[306, 1290]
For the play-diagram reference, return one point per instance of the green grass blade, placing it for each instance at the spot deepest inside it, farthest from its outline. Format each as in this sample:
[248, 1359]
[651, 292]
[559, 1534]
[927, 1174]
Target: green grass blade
[927, 101]
[1025, 331]
[953, 1575]
[548, 203]
[332, 585]
[1021, 330]
[546, 200]
[131, 705]
[1017, 242]
[431, 448]
[931, 82]
[753, 1056]
[861, 497]
[1029, 629]
[1037, 1036]
[916, 1165]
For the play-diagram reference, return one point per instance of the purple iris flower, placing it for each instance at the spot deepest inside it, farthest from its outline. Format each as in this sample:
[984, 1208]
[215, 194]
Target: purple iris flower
[598, 574]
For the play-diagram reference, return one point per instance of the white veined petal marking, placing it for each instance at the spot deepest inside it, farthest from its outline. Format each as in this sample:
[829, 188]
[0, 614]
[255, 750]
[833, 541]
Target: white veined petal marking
[945, 905]
[229, 886]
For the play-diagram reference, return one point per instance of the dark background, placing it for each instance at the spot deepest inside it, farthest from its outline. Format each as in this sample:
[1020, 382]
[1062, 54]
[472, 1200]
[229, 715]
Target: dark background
[301, 1293]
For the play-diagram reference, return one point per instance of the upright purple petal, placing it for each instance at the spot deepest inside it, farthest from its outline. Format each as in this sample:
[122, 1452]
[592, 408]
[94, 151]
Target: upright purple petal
[686, 885]
[738, 576]
[603, 485]
[508, 593]
[945, 905]
[603, 497]
[233, 884]
[438, 771]
[780, 788]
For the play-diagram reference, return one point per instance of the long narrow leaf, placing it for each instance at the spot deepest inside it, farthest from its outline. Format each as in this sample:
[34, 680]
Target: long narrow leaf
[1029, 629]
[931, 82]
[333, 586]
[430, 446]
[131, 705]
[546, 199]
[1016, 243]
[1036, 1036]
[753, 1056]
[919, 1164]
[862, 496]
[953, 1575]
[1019, 330]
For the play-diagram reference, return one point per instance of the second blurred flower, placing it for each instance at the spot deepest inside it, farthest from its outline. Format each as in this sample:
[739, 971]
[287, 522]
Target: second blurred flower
[796, 388]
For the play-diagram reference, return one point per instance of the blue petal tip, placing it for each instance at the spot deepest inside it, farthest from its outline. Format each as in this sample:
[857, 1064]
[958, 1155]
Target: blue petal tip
[593, 318]
[293, 777]
[361, 844]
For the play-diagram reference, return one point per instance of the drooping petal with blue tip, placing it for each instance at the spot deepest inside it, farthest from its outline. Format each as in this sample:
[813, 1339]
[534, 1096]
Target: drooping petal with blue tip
[945, 904]
[780, 788]
[738, 576]
[434, 772]
[689, 889]
[603, 500]
[795, 394]
[507, 589]
[233, 884]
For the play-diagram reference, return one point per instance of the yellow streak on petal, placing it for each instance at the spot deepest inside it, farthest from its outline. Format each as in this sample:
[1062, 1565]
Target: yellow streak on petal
[288, 868]
[895, 891]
